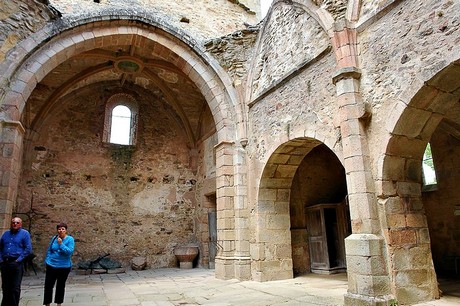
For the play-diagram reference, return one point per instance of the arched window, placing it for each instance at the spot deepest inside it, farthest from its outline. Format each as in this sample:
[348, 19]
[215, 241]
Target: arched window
[120, 124]
[120, 130]
[429, 173]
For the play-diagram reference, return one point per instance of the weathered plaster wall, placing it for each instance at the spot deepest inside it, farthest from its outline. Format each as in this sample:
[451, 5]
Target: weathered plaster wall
[127, 201]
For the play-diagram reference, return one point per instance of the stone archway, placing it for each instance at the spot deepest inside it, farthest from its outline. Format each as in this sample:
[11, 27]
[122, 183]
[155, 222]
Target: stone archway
[279, 226]
[319, 211]
[91, 39]
[430, 115]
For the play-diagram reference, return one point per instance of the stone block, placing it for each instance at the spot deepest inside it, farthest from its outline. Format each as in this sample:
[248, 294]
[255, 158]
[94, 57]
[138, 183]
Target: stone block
[359, 182]
[266, 194]
[283, 195]
[363, 245]
[352, 299]
[349, 85]
[269, 170]
[285, 171]
[274, 183]
[356, 163]
[273, 236]
[283, 251]
[224, 160]
[409, 295]
[224, 203]
[266, 206]
[423, 236]
[396, 220]
[416, 220]
[224, 268]
[371, 285]
[279, 158]
[228, 237]
[278, 221]
[224, 181]
[138, 263]
[408, 189]
[257, 251]
[225, 192]
[225, 223]
[393, 168]
[241, 245]
[400, 237]
[281, 207]
[116, 271]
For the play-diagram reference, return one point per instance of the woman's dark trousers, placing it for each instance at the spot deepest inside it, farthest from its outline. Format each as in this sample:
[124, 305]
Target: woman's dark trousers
[56, 276]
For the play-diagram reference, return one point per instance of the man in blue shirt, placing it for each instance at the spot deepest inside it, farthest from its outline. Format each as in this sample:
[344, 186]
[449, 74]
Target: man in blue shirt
[15, 246]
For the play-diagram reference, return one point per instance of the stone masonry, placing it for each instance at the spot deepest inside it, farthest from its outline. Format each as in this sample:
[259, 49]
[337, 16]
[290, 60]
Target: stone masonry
[280, 146]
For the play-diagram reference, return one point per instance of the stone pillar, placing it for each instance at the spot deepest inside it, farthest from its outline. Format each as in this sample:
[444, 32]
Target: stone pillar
[242, 234]
[368, 278]
[232, 260]
[11, 133]
[271, 248]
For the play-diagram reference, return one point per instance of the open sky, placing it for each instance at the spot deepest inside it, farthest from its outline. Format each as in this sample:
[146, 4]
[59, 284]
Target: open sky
[264, 6]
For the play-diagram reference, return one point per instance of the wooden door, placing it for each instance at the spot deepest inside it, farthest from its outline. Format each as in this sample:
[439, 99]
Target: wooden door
[319, 259]
[212, 223]
[327, 229]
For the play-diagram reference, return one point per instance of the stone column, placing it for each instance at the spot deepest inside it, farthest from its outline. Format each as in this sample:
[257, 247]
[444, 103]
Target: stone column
[232, 260]
[11, 133]
[368, 278]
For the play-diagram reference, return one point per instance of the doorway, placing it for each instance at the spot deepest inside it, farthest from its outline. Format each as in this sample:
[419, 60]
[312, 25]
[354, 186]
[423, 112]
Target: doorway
[327, 230]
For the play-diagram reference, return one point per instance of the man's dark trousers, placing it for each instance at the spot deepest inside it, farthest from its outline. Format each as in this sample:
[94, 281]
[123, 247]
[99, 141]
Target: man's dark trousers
[12, 273]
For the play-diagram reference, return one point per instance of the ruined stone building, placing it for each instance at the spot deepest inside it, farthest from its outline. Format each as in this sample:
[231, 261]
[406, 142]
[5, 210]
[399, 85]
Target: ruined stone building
[282, 145]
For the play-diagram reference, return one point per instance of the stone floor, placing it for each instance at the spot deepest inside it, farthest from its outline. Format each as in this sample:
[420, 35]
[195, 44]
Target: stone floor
[200, 287]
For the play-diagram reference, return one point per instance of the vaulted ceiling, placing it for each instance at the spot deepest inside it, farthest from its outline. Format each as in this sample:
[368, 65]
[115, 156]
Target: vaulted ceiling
[147, 65]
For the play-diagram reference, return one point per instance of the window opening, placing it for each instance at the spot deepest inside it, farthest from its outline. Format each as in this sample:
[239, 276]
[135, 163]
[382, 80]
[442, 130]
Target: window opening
[120, 120]
[429, 173]
[120, 130]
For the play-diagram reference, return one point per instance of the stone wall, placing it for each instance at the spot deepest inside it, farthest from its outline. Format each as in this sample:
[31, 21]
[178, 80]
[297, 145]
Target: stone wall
[234, 52]
[18, 19]
[201, 18]
[283, 84]
[397, 51]
[126, 201]
[290, 39]
[306, 104]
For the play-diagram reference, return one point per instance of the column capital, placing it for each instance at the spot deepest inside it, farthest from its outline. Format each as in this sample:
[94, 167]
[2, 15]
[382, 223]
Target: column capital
[346, 73]
[224, 144]
[16, 124]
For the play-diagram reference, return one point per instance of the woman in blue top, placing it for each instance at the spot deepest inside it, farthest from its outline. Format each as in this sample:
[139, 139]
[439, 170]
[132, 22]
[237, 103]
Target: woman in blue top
[58, 264]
